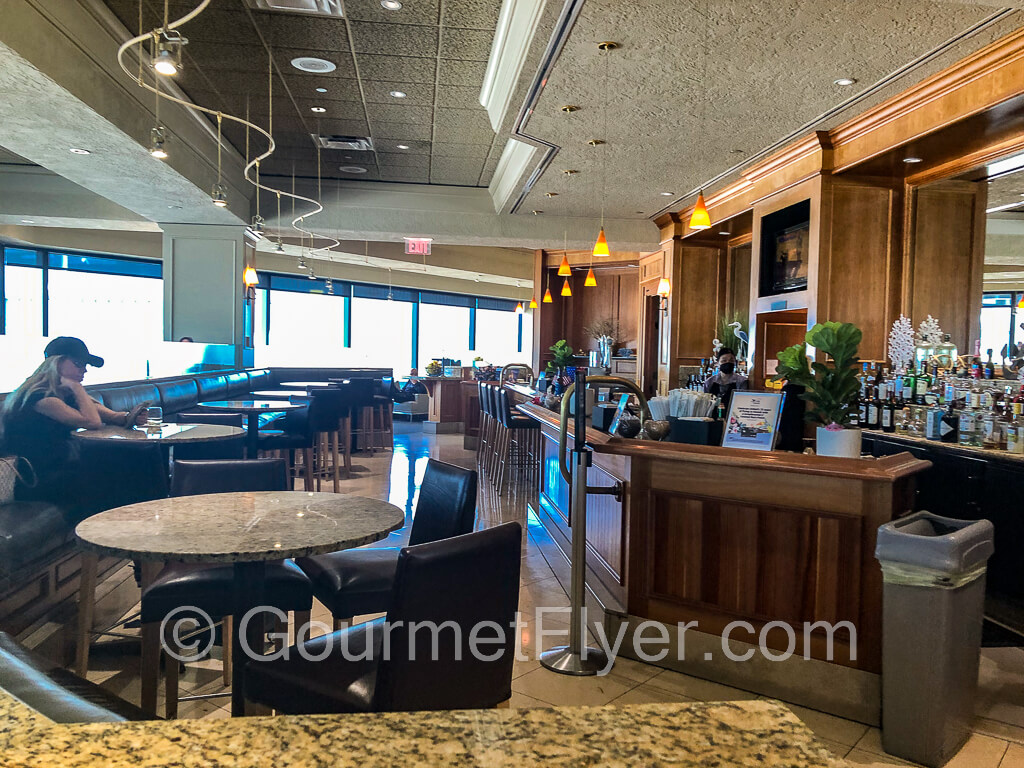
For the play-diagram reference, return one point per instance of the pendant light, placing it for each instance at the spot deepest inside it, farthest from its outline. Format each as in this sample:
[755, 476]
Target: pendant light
[519, 306]
[601, 244]
[219, 195]
[547, 297]
[249, 277]
[566, 290]
[700, 219]
[158, 134]
[547, 288]
[591, 280]
[533, 302]
[564, 270]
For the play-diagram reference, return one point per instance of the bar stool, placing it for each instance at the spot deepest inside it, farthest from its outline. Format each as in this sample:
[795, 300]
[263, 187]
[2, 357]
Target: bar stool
[327, 407]
[517, 446]
[485, 423]
[383, 414]
[362, 403]
[296, 436]
[495, 433]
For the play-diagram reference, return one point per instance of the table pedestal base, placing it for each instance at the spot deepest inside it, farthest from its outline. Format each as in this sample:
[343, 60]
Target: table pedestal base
[247, 637]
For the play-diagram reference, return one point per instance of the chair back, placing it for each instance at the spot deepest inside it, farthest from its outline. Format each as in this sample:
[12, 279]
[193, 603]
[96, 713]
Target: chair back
[504, 406]
[456, 585]
[359, 392]
[192, 478]
[230, 448]
[447, 503]
[488, 400]
[326, 407]
[222, 419]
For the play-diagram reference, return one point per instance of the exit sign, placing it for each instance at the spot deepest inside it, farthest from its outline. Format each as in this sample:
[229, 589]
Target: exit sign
[418, 246]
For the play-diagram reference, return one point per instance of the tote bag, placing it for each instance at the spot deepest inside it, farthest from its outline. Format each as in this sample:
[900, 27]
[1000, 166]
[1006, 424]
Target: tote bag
[10, 474]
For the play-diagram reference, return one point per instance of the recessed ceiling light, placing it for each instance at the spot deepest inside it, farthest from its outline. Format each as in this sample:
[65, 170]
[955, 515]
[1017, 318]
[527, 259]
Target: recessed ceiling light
[317, 109]
[28, 221]
[321, 90]
[398, 94]
[536, 213]
[390, 5]
[844, 81]
[912, 160]
[403, 146]
[174, 206]
[352, 169]
[666, 194]
[724, 232]
[77, 151]
[313, 64]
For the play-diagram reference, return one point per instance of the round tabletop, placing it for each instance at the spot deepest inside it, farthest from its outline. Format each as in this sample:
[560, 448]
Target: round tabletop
[306, 384]
[169, 434]
[239, 527]
[280, 394]
[245, 406]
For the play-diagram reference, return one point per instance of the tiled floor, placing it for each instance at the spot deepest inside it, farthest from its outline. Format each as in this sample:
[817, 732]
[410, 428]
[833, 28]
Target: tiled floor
[998, 741]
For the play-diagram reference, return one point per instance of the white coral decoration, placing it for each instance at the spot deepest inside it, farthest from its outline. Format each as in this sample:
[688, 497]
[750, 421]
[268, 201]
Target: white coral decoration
[929, 331]
[901, 344]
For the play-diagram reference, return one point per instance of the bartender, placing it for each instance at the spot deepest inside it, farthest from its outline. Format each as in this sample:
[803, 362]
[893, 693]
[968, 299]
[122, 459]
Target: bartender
[726, 379]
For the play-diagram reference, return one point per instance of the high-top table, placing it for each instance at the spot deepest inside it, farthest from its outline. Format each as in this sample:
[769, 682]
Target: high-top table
[246, 529]
[306, 385]
[165, 434]
[252, 409]
[279, 394]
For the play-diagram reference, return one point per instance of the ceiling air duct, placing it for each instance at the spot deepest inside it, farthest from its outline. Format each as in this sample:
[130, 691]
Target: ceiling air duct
[358, 143]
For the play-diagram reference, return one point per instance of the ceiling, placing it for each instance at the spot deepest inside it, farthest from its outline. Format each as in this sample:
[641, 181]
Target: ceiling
[434, 51]
[697, 88]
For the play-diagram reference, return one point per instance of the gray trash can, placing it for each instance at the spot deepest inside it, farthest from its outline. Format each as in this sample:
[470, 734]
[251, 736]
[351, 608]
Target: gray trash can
[933, 570]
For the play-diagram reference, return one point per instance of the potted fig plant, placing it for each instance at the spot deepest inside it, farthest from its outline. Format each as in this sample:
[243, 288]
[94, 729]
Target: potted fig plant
[830, 387]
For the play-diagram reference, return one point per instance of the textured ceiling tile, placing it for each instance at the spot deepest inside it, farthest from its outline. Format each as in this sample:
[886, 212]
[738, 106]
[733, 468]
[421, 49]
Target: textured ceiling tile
[336, 110]
[372, 174]
[458, 97]
[414, 175]
[467, 179]
[455, 165]
[338, 88]
[292, 30]
[401, 131]
[403, 69]
[1006, 190]
[218, 26]
[412, 12]
[391, 145]
[462, 126]
[474, 151]
[401, 39]
[471, 14]
[214, 55]
[465, 73]
[454, 133]
[394, 113]
[342, 60]
[466, 44]
[378, 92]
[403, 160]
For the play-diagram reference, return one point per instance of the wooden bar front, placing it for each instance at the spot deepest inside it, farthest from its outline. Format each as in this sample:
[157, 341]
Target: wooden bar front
[716, 535]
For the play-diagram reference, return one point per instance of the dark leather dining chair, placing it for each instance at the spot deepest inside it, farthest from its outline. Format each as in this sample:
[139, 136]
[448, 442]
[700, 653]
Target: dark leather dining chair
[210, 586]
[466, 581]
[358, 581]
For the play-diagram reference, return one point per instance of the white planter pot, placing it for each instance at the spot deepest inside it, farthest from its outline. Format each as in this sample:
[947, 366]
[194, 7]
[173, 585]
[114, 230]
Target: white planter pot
[844, 443]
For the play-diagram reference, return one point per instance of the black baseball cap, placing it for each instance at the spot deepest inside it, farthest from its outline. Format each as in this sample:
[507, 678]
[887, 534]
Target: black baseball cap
[74, 348]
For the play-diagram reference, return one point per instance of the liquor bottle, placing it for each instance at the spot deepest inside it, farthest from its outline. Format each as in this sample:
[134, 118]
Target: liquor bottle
[990, 369]
[967, 423]
[921, 384]
[874, 410]
[987, 427]
[855, 419]
[949, 431]
[889, 412]
[933, 423]
[907, 390]
[861, 409]
[1015, 429]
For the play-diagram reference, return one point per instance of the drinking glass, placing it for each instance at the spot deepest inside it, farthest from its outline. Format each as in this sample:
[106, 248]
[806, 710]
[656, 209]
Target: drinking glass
[154, 416]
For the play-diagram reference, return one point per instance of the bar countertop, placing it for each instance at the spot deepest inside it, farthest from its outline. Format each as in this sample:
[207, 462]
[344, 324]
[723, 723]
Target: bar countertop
[952, 448]
[735, 733]
[887, 469]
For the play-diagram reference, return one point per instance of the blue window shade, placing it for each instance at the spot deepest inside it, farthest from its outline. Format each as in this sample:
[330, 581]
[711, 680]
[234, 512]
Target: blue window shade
[446, 299]
[22, 257]
[361, 291]
[997, 300]
[501, 305]
[83, 262]
[302, 284]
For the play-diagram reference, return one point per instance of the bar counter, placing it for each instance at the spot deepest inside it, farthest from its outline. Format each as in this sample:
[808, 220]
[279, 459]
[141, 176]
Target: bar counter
[717, 535]
[742, 733]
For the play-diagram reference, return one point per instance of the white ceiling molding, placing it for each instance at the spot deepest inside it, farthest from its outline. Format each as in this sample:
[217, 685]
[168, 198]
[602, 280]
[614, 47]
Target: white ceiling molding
[512, 40]
[516, 159]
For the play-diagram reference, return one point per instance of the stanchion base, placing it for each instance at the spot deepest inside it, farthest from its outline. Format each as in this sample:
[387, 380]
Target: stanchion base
[565, 662]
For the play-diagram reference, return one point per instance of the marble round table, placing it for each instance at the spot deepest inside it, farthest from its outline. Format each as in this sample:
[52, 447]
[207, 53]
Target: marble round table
[304, 385]
[245, 529]
[167, 434]
[252, 409]
[280, 394]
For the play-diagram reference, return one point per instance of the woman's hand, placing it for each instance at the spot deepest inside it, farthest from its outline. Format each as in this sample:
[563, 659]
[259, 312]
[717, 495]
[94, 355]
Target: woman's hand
[70, 383]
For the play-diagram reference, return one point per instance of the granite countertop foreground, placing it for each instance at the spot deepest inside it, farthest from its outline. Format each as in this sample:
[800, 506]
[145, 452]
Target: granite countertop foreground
[735, 734]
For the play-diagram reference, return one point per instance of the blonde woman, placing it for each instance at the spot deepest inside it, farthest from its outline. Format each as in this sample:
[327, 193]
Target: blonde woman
[40, 415]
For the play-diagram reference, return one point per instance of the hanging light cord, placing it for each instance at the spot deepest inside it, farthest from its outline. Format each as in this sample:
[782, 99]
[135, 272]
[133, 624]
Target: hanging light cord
[250, 164]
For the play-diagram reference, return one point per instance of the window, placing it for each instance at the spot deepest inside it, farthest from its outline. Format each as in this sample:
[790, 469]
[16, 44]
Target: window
[305, 329]
[444, 332]
[381, 334]
[497, 337]
[23, 293]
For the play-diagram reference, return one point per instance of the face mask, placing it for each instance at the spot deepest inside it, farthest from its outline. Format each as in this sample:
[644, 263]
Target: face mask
[727, 368]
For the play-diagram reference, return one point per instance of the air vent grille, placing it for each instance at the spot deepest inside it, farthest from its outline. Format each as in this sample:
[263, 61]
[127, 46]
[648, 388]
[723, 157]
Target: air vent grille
[359, 143]
[332, 8]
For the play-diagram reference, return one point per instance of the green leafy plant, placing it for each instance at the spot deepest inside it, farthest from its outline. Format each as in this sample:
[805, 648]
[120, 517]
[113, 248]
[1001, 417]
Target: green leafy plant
[830, 387]
[561, 353]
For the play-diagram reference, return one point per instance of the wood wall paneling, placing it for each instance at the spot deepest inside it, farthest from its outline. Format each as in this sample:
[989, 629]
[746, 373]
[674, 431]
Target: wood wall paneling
[738, 279]
[945, 258]
[699, 289]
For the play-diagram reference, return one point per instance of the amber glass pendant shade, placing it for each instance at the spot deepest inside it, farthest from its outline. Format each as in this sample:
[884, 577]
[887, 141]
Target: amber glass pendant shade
[700, 219]
[563, 269]
[601, 246]
[591, 281]
[547, 297]
[566, 290]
